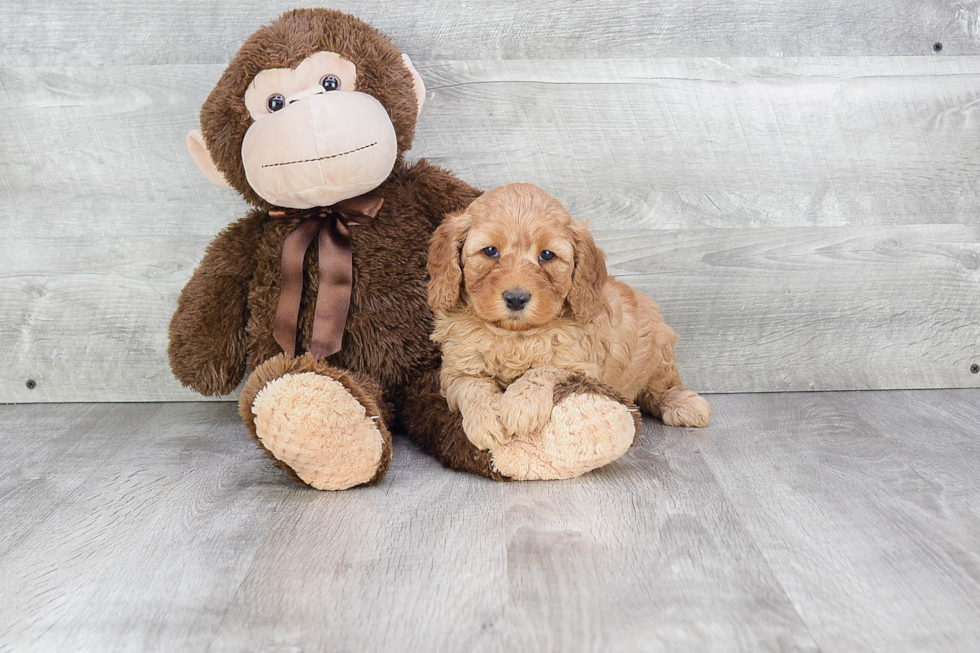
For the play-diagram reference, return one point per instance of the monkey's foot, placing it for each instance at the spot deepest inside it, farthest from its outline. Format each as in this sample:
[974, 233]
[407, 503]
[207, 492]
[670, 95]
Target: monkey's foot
[589, 427]
[315, 426]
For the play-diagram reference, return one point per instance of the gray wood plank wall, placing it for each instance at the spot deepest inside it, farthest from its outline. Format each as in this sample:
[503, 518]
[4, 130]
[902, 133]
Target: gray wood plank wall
[792, 181]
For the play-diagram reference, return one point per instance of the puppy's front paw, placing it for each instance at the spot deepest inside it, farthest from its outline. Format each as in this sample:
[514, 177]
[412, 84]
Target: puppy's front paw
[482, 425]
[526, 407]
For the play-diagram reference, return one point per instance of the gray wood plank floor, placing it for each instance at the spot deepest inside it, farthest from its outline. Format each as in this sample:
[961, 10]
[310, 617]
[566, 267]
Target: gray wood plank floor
[797, 522]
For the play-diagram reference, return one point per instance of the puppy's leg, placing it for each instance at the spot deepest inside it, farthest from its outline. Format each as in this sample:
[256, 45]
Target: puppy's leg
[664, 395]
[678, 406]
[670, 400]
[478, 400]
[527, 402]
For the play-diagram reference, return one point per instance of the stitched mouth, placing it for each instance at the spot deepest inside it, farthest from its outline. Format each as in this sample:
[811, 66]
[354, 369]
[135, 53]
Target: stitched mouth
[320, 158]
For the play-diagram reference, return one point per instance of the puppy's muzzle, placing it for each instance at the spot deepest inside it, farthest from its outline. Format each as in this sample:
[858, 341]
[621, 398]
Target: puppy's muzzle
[516, 299]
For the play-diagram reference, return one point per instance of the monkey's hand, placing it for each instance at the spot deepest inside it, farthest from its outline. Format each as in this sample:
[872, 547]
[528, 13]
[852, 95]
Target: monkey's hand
[526, 404]
[207, 332]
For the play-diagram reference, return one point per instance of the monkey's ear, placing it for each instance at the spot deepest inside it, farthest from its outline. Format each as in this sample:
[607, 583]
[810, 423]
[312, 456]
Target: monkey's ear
[199, 152]
[419, 84]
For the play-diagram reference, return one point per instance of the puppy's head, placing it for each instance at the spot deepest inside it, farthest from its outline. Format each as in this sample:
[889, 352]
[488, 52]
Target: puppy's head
[517, 260]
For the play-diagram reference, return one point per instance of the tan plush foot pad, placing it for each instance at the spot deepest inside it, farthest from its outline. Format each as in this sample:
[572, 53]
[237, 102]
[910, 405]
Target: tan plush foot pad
[313, 424]
[586, 431]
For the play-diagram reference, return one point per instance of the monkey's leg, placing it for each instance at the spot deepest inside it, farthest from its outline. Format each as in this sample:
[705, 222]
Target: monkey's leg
[326, 427]
[439, 431]
[590, 426]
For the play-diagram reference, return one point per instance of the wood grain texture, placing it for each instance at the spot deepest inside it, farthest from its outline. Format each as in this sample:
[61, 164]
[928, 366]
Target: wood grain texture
[141, 513]
[858, 503]
[644, 555]
[380, 565]
[796, 522]
[812, 308]
[731, 143]
[186, 31]
[806, 224]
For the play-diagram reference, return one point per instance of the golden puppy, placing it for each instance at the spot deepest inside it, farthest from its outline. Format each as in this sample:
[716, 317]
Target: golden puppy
[522, 301]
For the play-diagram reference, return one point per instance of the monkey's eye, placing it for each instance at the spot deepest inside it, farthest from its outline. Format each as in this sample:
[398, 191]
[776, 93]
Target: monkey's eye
[546, 256]
[275, 102]
[491, 252]
[330, 83]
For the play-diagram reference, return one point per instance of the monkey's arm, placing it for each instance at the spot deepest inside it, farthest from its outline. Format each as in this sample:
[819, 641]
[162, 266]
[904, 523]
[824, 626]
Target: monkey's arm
[207, 332]
[478, 401]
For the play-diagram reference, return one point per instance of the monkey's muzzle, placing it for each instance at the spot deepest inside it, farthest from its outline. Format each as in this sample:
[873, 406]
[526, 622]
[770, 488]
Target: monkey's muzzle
[319, 149]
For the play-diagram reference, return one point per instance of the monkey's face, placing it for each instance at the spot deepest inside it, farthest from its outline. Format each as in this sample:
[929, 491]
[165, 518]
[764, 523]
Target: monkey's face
[315, 108]
[315, 140]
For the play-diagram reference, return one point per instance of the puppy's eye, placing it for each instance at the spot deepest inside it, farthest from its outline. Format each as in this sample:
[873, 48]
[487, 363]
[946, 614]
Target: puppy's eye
[546, 256]
[491, 252]
[275, 102]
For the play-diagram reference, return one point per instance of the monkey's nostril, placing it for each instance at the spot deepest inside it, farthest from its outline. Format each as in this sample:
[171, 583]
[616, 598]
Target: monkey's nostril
[516, 300]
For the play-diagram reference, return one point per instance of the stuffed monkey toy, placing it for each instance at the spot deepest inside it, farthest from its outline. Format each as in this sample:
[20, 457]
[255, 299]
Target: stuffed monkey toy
[320, 290]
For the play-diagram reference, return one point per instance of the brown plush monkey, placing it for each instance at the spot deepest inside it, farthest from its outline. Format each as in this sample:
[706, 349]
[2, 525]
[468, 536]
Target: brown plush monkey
[321, 288]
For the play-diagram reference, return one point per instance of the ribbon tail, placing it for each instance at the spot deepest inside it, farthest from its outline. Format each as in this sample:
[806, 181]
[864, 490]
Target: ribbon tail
[360, 210]
[334, 293]
[291, 293]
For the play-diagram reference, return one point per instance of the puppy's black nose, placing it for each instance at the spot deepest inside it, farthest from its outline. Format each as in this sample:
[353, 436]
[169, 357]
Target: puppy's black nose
[516, 299]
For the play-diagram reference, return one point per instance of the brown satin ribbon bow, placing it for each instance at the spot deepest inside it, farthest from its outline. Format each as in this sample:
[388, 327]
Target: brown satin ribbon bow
[331, 224]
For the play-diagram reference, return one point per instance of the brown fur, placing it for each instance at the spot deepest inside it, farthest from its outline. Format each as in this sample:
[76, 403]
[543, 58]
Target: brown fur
[500, 367]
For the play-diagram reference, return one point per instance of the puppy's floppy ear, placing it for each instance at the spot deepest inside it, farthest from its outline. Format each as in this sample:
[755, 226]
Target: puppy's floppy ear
[586, 297]
[445, 273]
